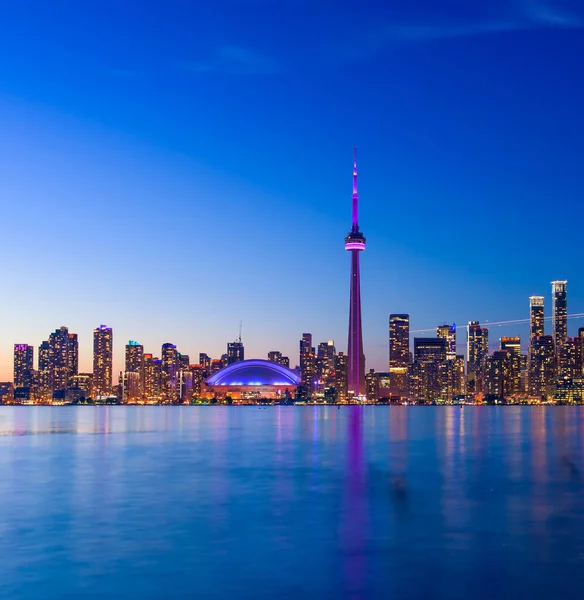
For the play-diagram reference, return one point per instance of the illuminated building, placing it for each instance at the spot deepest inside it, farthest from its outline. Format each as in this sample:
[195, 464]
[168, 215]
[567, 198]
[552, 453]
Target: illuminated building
[513, 346]
[205, 361]
[325, 363]
[63, 358]
[275, 356]
[541, 366]
[6, 392]
[169, 372]
[477, 352]
[579, 353]
[235, 352]
[134, 363]
[102, 361]
[216, 365]
[498, 379]
[427, 371]
[79, 387]
[448, 332]
[569, 390]
[559, 312]
[399, 351]
[355, 243]
[372, 386]
[148, 369]
[341, 365]
[252, 380]
[199, 374]
[44, 386]
[23, 365]
[536, 317]
[131, 387]
[568, 357]
[307, 363]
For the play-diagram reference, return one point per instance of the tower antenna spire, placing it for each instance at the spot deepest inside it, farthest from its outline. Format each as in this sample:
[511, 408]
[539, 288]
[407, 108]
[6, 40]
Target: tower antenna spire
[355, 226]
[240, 326]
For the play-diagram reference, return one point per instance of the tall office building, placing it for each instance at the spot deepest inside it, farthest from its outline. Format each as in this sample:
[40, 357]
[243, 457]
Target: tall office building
[512, 345]
[341, 376]
[135, 364]
[307, 363]
[64, 358]
[325, 363]
[169, 372]
[498, 375]
[103, 341]
[235, 352]
[399, 351]
[559, 312]
[477, 352]
[536, 316]
[448, 332]
[541, 366]
[355, 243]
[23, 365]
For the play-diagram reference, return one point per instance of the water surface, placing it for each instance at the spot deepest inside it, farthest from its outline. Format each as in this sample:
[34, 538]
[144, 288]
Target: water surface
[291, 502]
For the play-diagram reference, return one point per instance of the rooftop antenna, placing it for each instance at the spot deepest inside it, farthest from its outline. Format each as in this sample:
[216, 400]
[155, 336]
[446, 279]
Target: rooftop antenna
[240, 326]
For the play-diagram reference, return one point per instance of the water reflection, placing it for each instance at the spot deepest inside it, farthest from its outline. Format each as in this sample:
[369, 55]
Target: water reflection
[291, 502]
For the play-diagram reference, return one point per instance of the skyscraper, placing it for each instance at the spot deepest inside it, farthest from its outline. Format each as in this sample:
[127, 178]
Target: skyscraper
[448, 332]
[477, 352]
[135, 364]
[355, 243]
[23, 365]
[512, 345]
[63, 358]
[169, 368]
[102, 361]
[559, 312]
[536, 316]
[307, 363]
[399, 351]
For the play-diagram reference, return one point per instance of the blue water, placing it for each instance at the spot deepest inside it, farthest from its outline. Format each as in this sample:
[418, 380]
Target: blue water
[291, 502]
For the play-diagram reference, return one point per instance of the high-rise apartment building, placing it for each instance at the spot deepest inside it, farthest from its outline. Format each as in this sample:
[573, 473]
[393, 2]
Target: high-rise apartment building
[134, 363]
[307, 363]
[559, 312]
[148, 369]
[541, 366]
[103, 342]
[536, 317]
[512, 345]
[276, 357]
[63, 358]
[23, 365]
[341, 365]
[169, 372]
[325, 363]
[448, 332]
[498, 375]
[44, 384]
[399, 351]
[477, 352]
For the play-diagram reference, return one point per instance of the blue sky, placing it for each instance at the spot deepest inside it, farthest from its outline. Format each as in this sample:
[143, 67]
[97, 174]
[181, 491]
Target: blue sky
[170, 169]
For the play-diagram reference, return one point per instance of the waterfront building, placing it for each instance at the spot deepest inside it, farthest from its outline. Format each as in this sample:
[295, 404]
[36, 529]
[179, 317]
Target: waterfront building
[399, 351]
[23, 365]
[63, 358]
[325, 364]
[102, 361]
[372, 383]
[560, 324]
[170, 369]
[307, 363]
[355, 243]
[498, 376]
[79, 387]
[131, 387]
[427, 374]
[513, 346]
[341, 366]
[134, 363]
[579, 353]
[253, 380]
[541, 366]
[477, 352]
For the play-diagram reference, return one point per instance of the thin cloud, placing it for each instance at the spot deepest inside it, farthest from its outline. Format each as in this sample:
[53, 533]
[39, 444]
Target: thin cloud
[518, 15]
[235, 60]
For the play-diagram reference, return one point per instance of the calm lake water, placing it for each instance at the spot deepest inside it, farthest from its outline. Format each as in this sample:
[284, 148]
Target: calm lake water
[291, 502]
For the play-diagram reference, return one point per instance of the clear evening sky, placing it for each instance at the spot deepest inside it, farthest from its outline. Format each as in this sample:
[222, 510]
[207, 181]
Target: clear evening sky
[171, 168]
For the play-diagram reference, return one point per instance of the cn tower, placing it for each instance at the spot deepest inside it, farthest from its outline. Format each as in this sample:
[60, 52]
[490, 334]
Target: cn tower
[355, 243]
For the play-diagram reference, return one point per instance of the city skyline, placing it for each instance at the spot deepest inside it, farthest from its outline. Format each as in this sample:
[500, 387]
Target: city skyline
[164, 192]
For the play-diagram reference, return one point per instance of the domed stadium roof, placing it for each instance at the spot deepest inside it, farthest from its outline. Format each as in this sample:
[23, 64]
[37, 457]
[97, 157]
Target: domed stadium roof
[254, 372]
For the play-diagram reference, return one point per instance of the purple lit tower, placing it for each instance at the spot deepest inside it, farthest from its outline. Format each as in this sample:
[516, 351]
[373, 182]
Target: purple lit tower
[355, 243]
